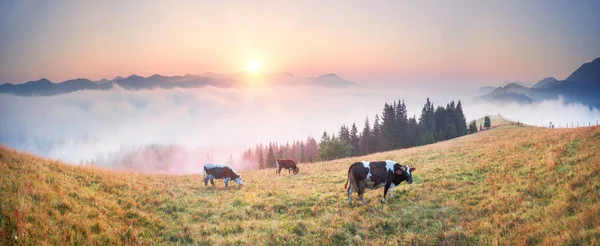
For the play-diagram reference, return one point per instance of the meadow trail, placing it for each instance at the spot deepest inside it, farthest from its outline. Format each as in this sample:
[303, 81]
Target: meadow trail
[509, 185]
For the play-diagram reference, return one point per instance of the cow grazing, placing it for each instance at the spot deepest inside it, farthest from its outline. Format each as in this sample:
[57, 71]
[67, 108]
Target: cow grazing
[224, 172]
[290, 165]
[374, 175]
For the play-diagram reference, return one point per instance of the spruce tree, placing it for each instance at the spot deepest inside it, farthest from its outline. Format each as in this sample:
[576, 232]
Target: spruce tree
[271, 157]
[354, 140]
[365, 140]
[376, 134]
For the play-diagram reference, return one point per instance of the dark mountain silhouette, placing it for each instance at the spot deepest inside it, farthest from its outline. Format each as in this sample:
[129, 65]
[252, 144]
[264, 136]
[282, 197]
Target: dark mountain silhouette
[582, 86]
[44, 87]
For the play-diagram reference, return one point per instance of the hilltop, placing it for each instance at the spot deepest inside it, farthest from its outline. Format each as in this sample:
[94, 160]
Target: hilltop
[511, 184]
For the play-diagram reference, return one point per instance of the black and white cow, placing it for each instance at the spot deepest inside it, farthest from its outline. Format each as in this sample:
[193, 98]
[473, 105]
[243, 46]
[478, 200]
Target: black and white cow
[224, 172]
[290, 165]
[374, 175]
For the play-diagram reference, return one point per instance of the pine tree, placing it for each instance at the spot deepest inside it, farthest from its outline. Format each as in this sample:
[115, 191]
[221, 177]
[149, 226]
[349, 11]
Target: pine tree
[488, 122]
[302, 154]
[376, 134]
[461, 121]
[388, 127]
[365, 139]
[354, 141]
[441, 120]
[472, 127]
[271, 157]
[401, 125]
[426, 125]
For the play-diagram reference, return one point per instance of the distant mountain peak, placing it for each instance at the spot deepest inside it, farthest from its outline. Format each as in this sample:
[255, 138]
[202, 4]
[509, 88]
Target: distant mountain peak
[134, 76]
[329, 75]
[332, 79]
[546, 83]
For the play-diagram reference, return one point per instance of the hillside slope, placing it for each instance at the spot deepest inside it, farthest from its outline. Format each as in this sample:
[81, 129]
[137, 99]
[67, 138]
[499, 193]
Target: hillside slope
[516, 185]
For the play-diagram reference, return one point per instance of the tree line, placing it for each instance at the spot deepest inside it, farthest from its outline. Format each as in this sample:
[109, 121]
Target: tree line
[264, 156]
[395, 130]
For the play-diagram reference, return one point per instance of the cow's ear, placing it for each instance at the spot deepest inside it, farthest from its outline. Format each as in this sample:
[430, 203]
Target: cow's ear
[412, 169]
[399, 171]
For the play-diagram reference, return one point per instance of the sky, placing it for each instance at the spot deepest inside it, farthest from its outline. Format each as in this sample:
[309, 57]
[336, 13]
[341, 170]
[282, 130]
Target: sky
[477, 42]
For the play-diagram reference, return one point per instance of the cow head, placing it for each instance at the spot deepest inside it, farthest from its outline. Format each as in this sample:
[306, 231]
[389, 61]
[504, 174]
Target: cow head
[296, 170]
[238, 180]
[405, 173]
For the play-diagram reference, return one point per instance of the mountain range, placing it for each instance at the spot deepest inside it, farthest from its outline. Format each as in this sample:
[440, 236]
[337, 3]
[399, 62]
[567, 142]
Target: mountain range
[45, 87]
[582, 86]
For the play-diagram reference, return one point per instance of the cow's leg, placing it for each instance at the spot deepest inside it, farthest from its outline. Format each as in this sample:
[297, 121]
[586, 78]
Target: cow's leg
[385, 191]
[212, 182]
[350, 194]
[289, 171]
[278, 170]
[205, 180]
[391, 190]
[361, 192]
[226, 180]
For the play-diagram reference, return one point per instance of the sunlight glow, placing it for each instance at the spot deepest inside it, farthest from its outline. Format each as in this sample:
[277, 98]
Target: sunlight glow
[253, 66]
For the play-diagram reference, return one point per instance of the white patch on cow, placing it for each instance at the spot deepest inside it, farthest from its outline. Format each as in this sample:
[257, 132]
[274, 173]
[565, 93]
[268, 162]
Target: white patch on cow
[408, 169]
[367, 165]
[238, 181]
[368, 182]
[277, 163]
[390, 165]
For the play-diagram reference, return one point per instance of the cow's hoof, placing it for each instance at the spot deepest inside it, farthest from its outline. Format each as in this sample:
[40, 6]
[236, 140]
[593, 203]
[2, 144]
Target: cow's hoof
[383, 200]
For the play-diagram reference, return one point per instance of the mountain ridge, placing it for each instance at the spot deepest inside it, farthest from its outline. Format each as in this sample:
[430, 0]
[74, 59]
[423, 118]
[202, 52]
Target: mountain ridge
[582, 86]
[45, 87]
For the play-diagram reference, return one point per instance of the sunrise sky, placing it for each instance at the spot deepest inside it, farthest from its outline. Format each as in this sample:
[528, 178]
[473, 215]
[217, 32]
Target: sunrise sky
[481, 42]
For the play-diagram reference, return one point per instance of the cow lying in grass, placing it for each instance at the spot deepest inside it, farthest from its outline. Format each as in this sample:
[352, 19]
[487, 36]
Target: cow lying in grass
[224, 172]
[374, 175]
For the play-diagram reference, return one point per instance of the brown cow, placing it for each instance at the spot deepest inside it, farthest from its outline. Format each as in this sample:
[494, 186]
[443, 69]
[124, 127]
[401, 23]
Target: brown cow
[290, 165]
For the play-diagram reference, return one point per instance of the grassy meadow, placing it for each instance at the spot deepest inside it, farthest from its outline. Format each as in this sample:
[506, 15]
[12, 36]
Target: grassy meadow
[509, 185]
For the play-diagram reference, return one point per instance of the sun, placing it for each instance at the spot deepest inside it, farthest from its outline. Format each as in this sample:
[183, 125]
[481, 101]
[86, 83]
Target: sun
[253, 66]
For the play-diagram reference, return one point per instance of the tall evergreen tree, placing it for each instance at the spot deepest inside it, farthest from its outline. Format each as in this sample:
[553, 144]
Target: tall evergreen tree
[487, 122]
[461, 121]
[388, 126]
[302, 154]
[401, 125]
[365, 139]
[440, 123]
[426, 124]
[261, 159]
[354, 140]
[344, 134]
[413, 131]
[376, 134]
[271, 157]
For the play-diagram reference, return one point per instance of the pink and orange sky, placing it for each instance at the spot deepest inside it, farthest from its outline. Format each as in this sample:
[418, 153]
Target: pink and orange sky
[483, 42]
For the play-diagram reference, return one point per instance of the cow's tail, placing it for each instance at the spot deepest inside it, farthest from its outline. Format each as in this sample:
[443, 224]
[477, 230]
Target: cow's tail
[348, 176]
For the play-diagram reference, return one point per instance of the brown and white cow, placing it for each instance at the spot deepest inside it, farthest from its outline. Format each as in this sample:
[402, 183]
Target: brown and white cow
[374, 175]
[224, 172]
[290, 165]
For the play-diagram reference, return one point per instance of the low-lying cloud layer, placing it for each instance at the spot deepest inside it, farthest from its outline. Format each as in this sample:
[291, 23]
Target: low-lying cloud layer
[220, 121]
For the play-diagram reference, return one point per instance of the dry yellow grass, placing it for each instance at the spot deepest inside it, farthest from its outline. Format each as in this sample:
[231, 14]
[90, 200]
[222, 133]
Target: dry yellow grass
[509, 185]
